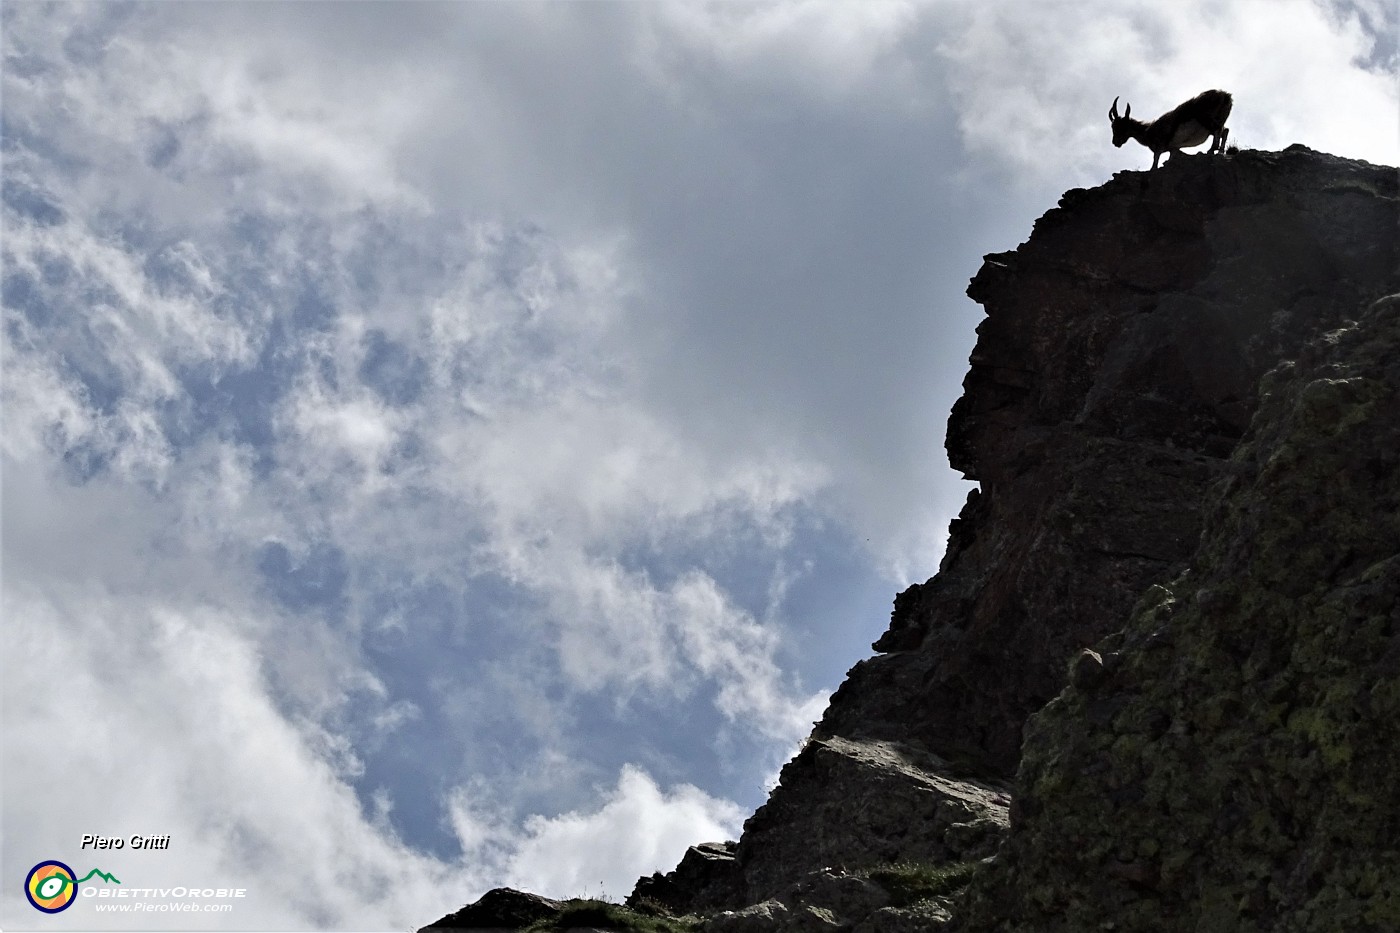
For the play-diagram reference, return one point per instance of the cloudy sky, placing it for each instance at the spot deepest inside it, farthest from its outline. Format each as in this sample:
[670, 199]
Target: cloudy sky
[455, 445]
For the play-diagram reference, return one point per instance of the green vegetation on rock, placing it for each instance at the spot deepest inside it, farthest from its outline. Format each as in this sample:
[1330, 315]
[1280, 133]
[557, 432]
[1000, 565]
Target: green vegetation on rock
[911, 882]
[605, 915]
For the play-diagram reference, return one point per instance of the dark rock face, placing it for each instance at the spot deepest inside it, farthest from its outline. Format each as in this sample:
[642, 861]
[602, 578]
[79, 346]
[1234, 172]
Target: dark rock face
[1114, 378]
[1237, 770]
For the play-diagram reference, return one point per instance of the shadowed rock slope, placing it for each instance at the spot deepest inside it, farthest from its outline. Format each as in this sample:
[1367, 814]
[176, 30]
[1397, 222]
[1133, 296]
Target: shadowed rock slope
[1180, 414]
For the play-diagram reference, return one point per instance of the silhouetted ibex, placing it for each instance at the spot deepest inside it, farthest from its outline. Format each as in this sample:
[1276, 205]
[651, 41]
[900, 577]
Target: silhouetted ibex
[1188, 125]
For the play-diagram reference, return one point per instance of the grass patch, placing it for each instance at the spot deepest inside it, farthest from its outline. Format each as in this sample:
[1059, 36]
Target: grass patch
[911, 882]
[606, 915]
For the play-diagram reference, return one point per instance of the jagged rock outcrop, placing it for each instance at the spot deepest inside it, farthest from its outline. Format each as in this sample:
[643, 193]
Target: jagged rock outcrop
[706, 879]
[1226, 761]
[823, 900]
[500, 909]
[841, 804]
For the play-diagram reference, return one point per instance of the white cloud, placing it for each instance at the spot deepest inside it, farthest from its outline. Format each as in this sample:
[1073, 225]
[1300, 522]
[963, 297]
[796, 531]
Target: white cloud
[831, 51]
[237, 739]
[637, 829]
[736, 651]
[336, 434]
[40, 403]
[163, 725]
[132, 333]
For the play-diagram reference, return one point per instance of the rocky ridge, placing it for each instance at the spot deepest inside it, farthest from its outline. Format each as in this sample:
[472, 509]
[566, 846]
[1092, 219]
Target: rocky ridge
[1157, 547]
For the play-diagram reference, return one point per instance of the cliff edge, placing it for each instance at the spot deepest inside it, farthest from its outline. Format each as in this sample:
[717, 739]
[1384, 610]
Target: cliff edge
[1157, 672]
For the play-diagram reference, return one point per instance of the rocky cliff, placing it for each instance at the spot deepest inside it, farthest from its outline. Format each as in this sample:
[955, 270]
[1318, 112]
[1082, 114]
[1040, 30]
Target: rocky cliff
[1171, 604]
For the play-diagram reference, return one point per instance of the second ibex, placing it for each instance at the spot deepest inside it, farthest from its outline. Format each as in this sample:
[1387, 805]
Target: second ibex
[1187, 125]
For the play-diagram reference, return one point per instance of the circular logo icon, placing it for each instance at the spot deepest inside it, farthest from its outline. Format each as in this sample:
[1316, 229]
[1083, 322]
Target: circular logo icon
[51, 886]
